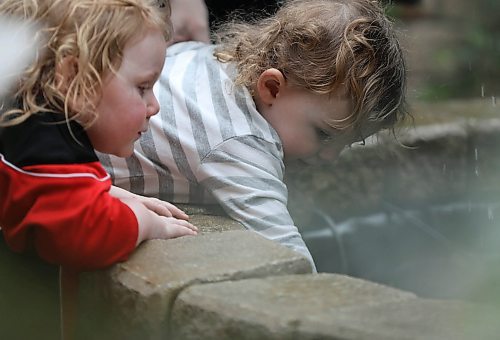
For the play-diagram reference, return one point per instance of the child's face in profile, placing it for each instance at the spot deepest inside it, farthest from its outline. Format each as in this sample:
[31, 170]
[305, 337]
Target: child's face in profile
[301, 118]
[127, 100]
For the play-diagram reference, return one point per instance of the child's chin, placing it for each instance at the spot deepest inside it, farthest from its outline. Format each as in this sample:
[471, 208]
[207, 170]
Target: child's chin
[124, 153]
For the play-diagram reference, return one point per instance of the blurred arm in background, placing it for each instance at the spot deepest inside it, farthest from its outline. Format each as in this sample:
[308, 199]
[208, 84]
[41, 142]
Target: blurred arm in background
[193, 19]
[190, 20]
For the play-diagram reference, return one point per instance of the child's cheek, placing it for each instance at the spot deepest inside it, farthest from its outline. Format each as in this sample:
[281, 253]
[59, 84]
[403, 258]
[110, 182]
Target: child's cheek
[300, 148]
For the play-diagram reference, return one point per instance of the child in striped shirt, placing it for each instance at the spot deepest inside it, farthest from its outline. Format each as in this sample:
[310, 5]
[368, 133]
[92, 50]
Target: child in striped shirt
[303, 84]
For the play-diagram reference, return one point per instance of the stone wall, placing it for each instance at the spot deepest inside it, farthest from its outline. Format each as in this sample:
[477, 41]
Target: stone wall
[233, 284]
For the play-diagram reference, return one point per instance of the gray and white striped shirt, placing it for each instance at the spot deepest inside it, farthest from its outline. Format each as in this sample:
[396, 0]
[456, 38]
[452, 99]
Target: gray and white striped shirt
[209, 144]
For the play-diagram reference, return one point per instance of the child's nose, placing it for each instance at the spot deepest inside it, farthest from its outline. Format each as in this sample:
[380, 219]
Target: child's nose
[153, 106]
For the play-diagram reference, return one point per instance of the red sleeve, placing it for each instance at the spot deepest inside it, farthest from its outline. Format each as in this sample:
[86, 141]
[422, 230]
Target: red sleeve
[68, 217]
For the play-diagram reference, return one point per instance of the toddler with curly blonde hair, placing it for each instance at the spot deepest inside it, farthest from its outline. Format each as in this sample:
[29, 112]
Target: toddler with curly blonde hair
[89, 88]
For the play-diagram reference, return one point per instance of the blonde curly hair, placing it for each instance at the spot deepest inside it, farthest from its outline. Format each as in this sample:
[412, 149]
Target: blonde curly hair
[94, 33]
[324, 46]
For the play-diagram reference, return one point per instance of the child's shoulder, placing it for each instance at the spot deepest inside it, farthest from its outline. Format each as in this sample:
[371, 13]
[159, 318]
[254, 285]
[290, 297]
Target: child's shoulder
[44, 138]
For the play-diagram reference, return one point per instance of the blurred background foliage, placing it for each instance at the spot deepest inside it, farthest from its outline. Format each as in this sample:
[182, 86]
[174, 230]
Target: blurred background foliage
[453, 47]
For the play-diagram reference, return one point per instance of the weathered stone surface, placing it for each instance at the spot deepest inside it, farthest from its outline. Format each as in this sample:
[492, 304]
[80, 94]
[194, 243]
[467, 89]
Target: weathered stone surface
[208, 224]
[417, 319]
[284, 307]
[141, 290]
[205, 209]
[210, 218]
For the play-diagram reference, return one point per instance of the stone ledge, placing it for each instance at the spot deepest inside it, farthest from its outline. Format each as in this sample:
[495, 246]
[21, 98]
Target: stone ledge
[139, 292]
[418, 319]
[211, 224]
[229, 283]
[322, 306]
[284, 307]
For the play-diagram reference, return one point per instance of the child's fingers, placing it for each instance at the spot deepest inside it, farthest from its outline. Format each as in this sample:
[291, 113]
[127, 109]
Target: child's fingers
[176, 212]
[159, 207]
[163, 208]
[176, 228]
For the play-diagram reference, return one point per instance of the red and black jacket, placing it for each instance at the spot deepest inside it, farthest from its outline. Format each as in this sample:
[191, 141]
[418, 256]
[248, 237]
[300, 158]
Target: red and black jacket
[54, 196]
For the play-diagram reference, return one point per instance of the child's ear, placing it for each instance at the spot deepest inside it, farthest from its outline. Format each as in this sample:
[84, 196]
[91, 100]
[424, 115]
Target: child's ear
[66, 71]
[270, 83]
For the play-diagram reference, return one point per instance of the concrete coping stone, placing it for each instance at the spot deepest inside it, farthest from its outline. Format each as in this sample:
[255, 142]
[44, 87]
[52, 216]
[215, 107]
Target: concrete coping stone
[321, 306]
[140, 291]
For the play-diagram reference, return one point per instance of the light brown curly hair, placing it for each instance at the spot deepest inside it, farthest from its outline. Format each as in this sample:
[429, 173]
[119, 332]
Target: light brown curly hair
[323, 46]
[94, 33]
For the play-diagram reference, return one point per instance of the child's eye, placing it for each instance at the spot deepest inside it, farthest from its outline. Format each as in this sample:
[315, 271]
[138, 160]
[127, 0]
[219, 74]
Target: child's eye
[323, 136]
[142, 89]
